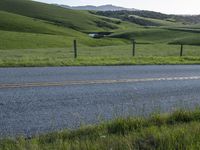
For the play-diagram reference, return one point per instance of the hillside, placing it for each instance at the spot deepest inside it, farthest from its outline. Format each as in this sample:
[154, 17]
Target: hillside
[39, 22]
[19, 23]
[50, 21]
[56, 15]
[39, 34]
[132, 16]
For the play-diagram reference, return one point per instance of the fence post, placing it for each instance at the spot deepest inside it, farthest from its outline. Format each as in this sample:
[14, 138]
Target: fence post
[181, 52]
[134, 47]
[75, 49]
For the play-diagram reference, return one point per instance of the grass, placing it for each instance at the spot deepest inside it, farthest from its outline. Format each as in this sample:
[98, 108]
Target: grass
[146, 54]
[157, 35]
[56, 15]
[29, 24]
[190, 40]
[18, 23]
[97, 61]
[20, 40]
[178, 130]
[38, 34]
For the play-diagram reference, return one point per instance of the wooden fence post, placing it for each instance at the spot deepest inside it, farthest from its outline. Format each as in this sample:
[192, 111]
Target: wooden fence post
[133, 48]
[181, 52]
[75, 49]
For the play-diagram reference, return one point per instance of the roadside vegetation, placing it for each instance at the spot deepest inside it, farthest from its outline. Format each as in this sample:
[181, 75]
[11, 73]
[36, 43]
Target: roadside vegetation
[97, 61]
[178, 130]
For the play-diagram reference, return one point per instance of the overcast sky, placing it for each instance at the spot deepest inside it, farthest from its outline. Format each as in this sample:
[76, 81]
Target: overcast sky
[165, 6]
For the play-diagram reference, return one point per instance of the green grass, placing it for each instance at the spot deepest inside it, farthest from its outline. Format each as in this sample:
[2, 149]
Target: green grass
[28, 24]
[18, 23]
[159, 21]
[156, 35]
[38, 34]
[178, 130]
[155, 54]
[20, 40]
[77, 20]
[188, 40]
[36, 61]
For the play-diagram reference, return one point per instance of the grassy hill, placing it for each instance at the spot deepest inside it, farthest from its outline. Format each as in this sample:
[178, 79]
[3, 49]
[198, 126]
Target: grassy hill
[33, 17]
[157, 27]
[128, 15]
[77, 20]
[49, 26]
[19, 23]
[157, 35]
[38, 34]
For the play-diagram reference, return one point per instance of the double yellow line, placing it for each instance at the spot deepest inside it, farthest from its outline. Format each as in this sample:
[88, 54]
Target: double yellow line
[88, 82]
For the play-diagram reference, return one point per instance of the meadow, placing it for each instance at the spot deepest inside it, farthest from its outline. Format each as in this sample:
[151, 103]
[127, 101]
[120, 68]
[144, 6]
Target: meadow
[102, 55]
[38, 34]
[178, 130]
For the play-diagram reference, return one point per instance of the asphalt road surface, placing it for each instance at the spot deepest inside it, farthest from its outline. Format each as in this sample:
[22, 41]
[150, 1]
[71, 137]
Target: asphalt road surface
[39, 100]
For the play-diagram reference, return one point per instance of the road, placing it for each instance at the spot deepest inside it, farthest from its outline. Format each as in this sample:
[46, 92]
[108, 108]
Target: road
[39, 100]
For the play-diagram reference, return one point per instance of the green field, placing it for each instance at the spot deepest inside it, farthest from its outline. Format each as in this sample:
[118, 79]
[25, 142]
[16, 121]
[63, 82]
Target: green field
[38, 34]
[178, 130]
[100, 55]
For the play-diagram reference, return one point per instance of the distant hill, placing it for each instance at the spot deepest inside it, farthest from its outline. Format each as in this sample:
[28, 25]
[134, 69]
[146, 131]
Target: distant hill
[144, 17]
[98, 8]
[140, 17]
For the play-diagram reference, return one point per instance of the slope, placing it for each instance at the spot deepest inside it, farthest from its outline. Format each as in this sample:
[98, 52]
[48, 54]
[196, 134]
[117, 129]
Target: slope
[77, 20]
[18, 23]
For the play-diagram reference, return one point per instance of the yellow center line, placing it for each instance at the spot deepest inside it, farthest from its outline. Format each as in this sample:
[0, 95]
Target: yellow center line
[87, 82]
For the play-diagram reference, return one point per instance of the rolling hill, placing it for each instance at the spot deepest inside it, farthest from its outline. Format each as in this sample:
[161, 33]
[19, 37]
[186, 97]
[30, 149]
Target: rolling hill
[47, 22]
[131, 16]
[34, 33]
[98, 8]
[34, 21]
[56, 15]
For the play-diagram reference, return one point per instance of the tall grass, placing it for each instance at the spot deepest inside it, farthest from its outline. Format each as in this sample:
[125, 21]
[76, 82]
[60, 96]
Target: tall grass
[178, 130]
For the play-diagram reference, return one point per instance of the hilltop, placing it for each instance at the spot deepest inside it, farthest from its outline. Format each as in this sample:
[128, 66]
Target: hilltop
[108, 7]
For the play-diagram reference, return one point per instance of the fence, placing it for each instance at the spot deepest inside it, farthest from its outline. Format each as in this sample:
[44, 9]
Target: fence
[135, 49]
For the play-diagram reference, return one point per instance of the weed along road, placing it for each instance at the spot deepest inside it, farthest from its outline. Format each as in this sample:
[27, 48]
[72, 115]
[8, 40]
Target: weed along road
[35, 100]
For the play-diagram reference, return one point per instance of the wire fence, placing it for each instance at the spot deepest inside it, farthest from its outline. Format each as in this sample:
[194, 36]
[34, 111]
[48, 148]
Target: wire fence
[134, 49]
[79, 51]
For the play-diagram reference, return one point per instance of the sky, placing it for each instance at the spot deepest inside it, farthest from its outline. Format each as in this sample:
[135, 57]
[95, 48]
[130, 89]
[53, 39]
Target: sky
[164, 6]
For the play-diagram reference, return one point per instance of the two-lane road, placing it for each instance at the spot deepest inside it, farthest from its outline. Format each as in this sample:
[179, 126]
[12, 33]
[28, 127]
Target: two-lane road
[34, 100]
